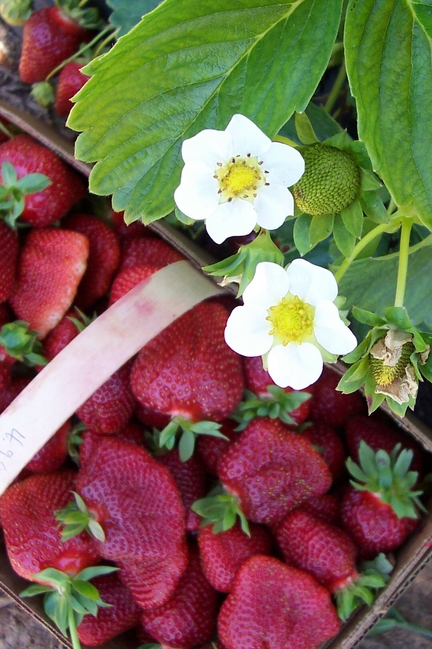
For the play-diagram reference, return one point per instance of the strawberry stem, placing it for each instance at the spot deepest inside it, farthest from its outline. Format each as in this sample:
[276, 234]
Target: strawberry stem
[73, 629]
[107, 30]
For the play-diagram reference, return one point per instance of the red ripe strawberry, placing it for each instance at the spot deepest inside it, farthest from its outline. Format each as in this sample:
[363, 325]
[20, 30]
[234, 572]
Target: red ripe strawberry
[151, 418]
[52, 203]
[275, 605]
[5, 376]
[130, 277]
[381, 508]
[104, 257]
[271, 470]
[379, 436]
[61, 335]
[212, 448]
[122, 614]
[222, 554]
[325, 506]
[188, 619]
[31, 532]
[50, 268]
[9, 257]
[147, 250]
[14, 387]
[53, 454]
[257, 379]
[331, 406]
[188, 370]
[131, 231]
[111, 406]
[323, 550]
[137, 503]
[49, 37]
[132, 433]
[190, 478]
[70, 80]
[327, 442]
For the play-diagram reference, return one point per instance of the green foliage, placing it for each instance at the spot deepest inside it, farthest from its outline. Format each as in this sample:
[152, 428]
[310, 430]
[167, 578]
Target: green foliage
[388, 59]
[189, 66]
[127, 14]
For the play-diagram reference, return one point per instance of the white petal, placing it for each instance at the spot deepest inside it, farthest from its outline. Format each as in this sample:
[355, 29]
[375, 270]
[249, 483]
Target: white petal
[208, 146]
[296, 366]
[268, 286]
[247, 137]
[247, 331]
[230, 219]
[273, 204]
[311, 283]
[284, 164]
[197, 195]
[330, 331]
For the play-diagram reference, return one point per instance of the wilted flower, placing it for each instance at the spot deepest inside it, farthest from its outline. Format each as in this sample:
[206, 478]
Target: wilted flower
[236, 179]
[289, 316]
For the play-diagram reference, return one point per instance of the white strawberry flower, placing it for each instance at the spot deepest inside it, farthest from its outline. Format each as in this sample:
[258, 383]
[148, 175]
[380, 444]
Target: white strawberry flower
[237, 179]
[289, 317]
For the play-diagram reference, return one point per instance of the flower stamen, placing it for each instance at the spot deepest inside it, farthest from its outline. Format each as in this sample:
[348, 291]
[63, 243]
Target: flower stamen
[292, 320]
[239, 178]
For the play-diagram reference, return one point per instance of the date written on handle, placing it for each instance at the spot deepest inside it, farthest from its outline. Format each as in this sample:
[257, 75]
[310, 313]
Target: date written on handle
[9, 444]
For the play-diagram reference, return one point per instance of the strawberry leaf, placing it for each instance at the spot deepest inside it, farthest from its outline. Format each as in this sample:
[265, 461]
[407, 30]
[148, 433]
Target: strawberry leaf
[188, 66]
[126, 14]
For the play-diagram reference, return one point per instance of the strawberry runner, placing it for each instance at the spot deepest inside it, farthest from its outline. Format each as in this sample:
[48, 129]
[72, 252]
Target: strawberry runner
[91, 358]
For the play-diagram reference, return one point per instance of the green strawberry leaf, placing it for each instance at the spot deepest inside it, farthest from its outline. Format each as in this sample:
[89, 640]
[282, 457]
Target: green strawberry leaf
[388, 48]
[127, 14]
[188, 66]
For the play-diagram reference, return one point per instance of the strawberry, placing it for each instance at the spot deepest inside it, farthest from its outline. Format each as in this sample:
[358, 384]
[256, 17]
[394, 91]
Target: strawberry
[50, 36]
[224, 553]
[66, 188]
[12, 390]
[130, 277]
[188, 370]
[188, 619]
[104, 257]
[136, 502]
[62, 334]
[32, 538]
[381, 508]
[147, 250]
[327, 442]
[52, 454]
[111, 406]
[9, 257]
[379, 436]
[327, 553]
[331, 406]
[151, 418]
[121, 614]
[88, 440]
[325, 506]
[257, 381]
[271, 470]
[275, 605]
[70, 80]
[212, 448]
[51, 265]
[131, 230]
[190, 478]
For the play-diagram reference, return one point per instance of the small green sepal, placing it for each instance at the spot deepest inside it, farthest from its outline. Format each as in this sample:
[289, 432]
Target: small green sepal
[220, 509]
[75, 518]
[22, 343]
[186, 431]
[278, 405]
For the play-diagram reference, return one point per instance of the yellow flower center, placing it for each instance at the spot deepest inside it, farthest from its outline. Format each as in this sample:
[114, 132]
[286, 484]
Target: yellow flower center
[384, 375]
[292, 320]
[240, 178]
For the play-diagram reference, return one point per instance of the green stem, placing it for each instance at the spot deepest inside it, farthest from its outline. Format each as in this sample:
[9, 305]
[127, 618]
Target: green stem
[83, 49]
[334, 93]
[418, 246]
[370, 236]
[391, 206]
[73, 629]
[5, 130]
[403, 261]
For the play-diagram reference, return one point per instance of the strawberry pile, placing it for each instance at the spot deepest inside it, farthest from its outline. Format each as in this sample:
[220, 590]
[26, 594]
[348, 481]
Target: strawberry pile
[188, 497]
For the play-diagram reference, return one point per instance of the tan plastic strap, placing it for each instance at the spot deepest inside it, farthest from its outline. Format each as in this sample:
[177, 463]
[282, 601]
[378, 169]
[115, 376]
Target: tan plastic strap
[91, 358]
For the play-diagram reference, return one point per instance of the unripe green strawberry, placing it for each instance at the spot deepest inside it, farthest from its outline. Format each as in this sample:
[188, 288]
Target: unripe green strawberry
[330, 183]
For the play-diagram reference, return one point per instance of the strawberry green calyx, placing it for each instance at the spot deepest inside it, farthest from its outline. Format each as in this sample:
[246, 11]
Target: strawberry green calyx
[75, 517]
[361, 591]
[13, 192]
[21, 343]
[87, 17]
[67, 599]
[330, 183]
[220, 509]
[187, 430]
[241, 267]
[43, 93]
[278, 405]
[75, 440]
[388, 477]
[83, 320]
[15, 12]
